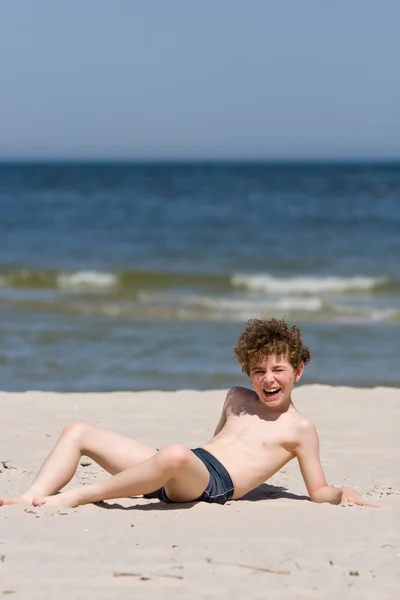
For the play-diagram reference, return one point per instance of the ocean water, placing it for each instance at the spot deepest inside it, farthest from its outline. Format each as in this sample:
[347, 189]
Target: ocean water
[141, 276]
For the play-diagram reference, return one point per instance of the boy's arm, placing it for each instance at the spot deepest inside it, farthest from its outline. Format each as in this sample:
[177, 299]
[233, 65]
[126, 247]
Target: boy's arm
[222, 420]
[307, 452]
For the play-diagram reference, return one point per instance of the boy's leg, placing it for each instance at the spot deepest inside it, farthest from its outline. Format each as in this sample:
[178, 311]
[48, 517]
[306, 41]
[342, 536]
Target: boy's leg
[175, 467]
[113, 452]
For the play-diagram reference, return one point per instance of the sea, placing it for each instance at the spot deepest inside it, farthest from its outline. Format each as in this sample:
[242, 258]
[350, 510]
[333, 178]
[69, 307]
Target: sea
[137, 276]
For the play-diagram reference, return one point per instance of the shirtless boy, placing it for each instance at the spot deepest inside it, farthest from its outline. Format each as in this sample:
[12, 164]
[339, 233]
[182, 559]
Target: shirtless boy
[259, 431]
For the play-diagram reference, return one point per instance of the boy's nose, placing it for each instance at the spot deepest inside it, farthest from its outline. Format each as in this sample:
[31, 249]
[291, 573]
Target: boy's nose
[268, 380]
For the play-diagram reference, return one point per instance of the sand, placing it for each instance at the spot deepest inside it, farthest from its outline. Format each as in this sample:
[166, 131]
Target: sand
[273, 542]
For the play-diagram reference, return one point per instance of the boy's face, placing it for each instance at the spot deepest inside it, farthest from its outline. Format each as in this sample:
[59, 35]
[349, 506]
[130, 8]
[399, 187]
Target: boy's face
[273, 378]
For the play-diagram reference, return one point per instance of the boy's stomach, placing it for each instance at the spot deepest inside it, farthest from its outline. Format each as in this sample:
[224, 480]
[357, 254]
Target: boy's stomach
[248, 466]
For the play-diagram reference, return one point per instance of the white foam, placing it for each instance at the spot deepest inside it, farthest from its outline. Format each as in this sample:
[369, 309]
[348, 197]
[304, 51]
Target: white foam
[86, 280]
[386, 314]
[305, 285]
[290, 304]
[365, 314]
[208, 308]
[235, 304]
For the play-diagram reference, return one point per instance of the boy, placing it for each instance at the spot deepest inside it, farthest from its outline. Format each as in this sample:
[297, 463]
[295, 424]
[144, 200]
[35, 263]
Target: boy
[259, 431]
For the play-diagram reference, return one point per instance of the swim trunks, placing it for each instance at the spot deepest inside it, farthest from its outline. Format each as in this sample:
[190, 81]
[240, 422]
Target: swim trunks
[220, 487]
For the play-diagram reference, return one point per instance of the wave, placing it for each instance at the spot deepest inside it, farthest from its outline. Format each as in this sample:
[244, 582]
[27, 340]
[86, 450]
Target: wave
[308, 285]
[86, 279]
[254, 306]
[311, 309]
[91, 280]
[124, 281]
[164, 306]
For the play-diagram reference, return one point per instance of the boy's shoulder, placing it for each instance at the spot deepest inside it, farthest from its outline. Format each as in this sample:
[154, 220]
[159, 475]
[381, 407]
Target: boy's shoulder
[299, 429]
[239, 391]
[238, 399]
[304, 429]
[239, 394]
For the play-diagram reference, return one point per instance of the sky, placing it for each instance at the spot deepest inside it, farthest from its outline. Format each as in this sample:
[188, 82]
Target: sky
[230, 79]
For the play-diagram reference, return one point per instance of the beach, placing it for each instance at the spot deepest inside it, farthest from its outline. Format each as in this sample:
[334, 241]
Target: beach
[272, 541]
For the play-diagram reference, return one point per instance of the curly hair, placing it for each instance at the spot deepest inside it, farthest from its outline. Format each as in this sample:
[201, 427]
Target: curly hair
[263, 338]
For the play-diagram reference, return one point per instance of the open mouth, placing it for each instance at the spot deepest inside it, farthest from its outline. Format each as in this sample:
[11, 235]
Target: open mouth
[272, 393]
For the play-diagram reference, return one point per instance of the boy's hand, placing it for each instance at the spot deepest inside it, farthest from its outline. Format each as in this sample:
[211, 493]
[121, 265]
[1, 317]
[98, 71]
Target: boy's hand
[349, 495]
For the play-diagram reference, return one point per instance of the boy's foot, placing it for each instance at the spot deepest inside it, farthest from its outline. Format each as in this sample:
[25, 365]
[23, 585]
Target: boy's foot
[22, 499]
[64, 500]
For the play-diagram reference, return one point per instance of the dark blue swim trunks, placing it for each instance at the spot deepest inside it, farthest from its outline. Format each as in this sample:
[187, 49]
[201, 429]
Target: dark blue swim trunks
[220, 487]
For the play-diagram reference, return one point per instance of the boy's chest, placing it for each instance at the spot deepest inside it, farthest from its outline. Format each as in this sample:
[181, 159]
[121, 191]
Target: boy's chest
[266, 433]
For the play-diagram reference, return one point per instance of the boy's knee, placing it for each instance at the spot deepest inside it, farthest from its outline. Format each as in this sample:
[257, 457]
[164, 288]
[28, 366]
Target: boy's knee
[173, 456]
[75, 429]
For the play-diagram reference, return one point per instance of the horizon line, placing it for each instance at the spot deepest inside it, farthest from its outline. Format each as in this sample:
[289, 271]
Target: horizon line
[193, 160]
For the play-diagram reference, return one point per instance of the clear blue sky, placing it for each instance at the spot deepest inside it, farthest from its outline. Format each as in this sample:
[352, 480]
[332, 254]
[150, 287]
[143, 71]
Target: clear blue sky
[209, 79]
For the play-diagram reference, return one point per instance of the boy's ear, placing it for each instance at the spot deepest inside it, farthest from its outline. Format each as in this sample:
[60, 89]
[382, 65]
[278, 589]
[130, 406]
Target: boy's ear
[299, 373]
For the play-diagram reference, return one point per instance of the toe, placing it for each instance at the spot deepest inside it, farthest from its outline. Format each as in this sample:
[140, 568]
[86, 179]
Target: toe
[7, 501]
[38, 501]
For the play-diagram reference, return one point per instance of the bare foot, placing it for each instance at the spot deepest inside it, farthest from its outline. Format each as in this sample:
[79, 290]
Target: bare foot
[22, 499]
[68, 499]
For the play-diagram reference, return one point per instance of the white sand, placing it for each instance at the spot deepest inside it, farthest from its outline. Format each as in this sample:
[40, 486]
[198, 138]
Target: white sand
[246, 549]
